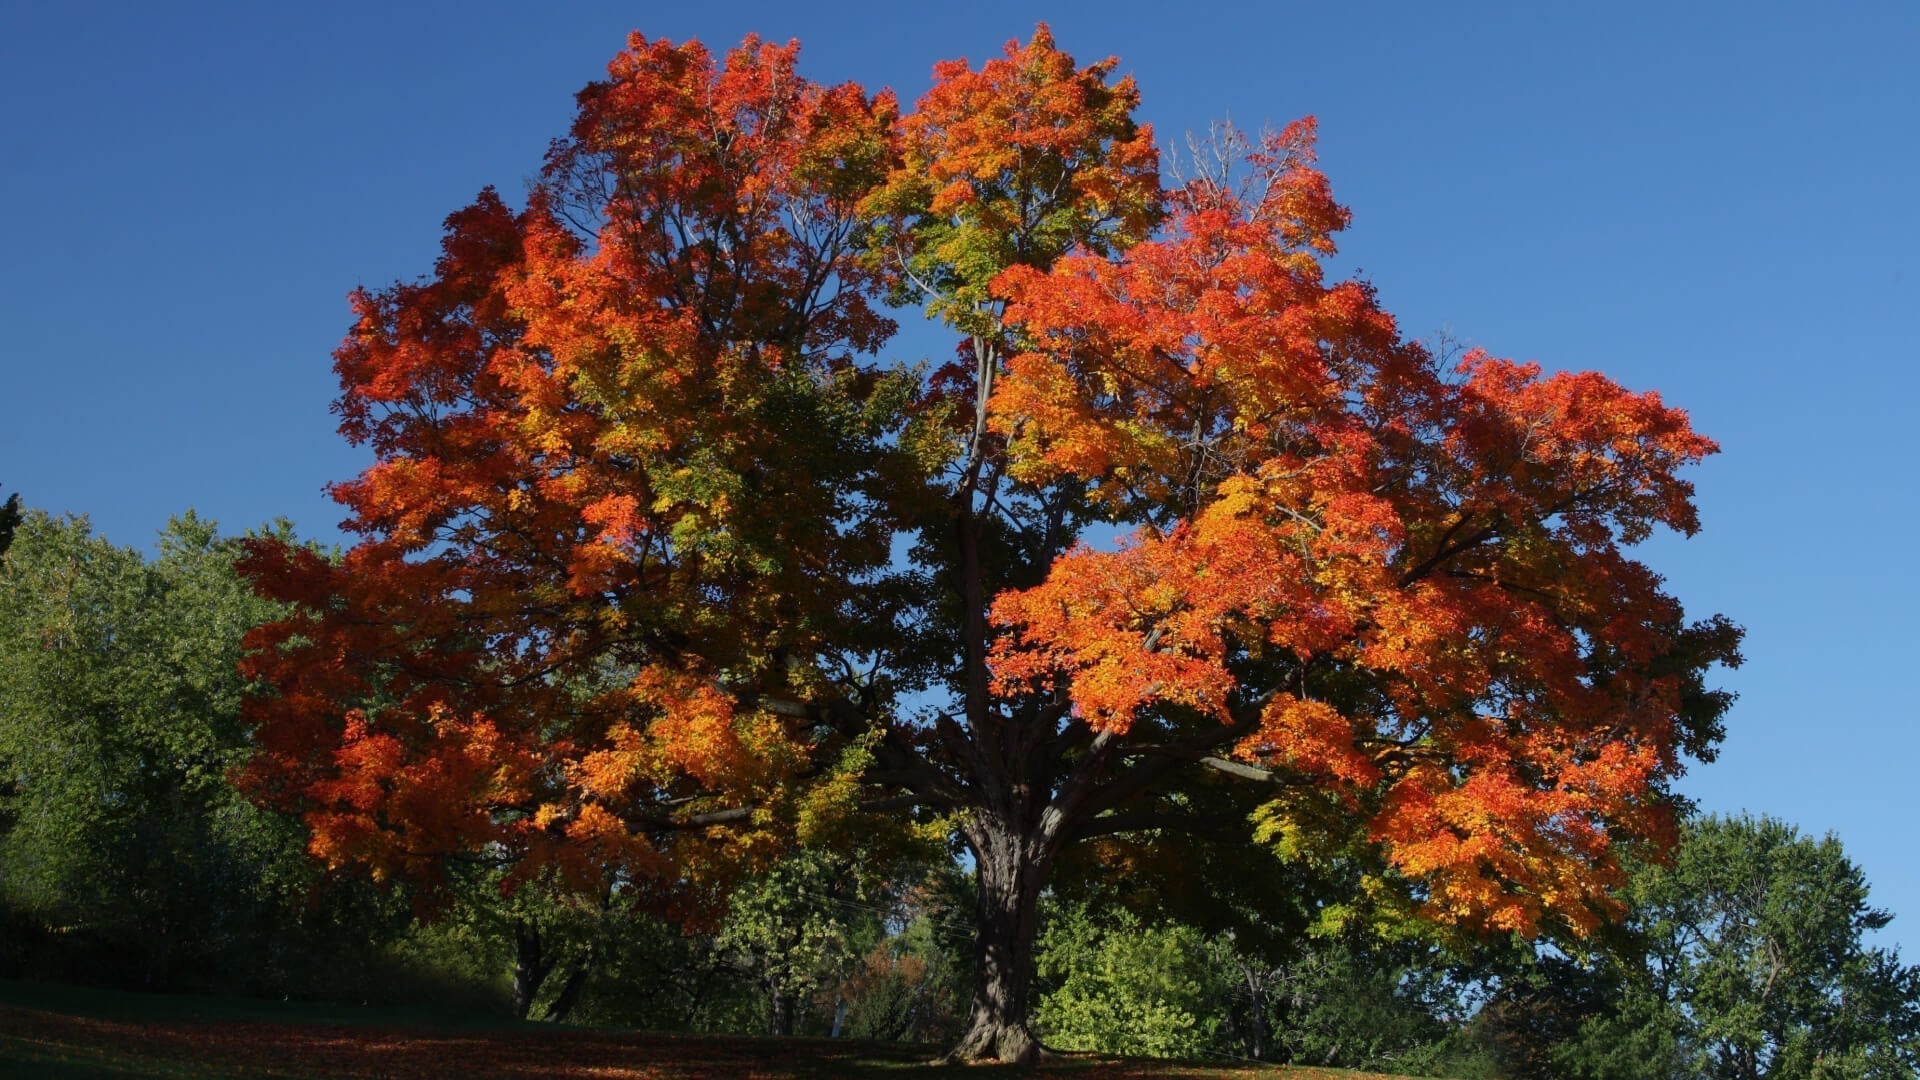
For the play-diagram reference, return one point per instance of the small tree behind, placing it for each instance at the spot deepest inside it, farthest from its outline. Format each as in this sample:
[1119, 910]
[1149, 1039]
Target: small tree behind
[1746, 957]
[1115, 984]
[799, 931]
[125, 854]
[1758, 942]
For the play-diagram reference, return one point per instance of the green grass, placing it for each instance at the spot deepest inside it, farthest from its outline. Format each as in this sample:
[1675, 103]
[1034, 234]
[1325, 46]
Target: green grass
[214, 1009]
[70, 1032]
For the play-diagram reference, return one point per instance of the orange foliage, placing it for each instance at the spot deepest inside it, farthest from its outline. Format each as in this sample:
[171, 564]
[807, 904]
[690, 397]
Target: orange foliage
[563, 547]
[1326, 490]
[638, 486]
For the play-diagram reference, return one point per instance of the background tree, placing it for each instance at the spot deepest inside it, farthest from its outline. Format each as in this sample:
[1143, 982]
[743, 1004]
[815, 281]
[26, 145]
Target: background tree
[119, 712]
[819, 943]
[545, 939]
[1260, 913]
[799, 931]
[1754, 964]
[9, 520]
[1400, 1006]
[1541, 1002]
[125, 855]
[913, 986]
[626, 597]
[1117, 985]
[1386, 1000]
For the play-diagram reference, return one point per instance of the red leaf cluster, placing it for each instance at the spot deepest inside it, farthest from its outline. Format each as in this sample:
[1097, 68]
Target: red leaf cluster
[639, 491]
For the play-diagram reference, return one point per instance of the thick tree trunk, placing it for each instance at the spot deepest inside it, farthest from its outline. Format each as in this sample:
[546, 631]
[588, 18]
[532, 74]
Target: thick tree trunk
[1011, 875]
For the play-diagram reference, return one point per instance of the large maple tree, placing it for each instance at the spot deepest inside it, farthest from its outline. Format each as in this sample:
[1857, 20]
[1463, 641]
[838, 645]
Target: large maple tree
[661, 559]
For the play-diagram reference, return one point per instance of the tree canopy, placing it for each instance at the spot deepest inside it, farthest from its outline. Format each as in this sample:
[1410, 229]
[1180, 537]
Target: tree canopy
[1753, 961]
[664, 558]
[125, 854]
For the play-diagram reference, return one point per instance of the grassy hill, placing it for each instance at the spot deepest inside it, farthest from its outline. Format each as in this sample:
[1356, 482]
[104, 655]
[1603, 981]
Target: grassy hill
[65, 1032]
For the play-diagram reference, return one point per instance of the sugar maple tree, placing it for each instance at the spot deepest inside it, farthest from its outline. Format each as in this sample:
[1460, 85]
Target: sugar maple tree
[659, 559]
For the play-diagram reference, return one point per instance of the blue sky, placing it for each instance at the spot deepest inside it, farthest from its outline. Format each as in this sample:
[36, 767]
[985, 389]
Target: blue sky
[1712, 200]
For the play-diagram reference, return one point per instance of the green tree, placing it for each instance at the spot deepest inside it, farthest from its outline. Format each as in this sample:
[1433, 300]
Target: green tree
[1356, 1000]
[9, 520]
[1754, 963]
[800, 930]
[1117, 984]
[536, 942]
[120, 837]
[914, 985]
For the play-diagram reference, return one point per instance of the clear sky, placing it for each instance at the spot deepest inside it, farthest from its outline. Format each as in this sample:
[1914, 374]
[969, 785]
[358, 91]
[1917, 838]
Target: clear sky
[1715, 200]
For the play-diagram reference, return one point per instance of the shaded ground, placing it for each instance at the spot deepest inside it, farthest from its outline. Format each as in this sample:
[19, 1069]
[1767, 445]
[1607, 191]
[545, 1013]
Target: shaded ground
[61, 1032]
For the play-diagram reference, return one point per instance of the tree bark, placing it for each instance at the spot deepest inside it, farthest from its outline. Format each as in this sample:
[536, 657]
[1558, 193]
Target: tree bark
[570, 991]
[531, 964]
[1011, 873]
[779, 1012]
[1256, 1017]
